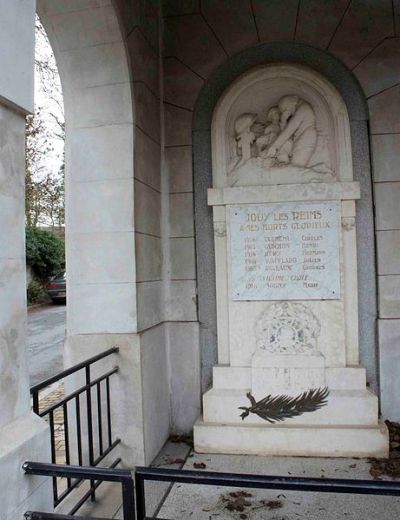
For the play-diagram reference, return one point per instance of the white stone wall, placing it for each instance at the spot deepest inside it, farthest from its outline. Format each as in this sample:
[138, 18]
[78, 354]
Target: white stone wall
[364, 36]
[378, 74]
[23, 436]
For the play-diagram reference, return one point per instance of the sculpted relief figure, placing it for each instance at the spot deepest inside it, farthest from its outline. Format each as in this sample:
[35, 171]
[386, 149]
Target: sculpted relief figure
[298, 126]
[244, 137]
[286, 144]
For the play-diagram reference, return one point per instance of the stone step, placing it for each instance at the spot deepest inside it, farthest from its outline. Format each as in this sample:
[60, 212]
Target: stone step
[291, 440]
[343, 378]
[345, 407]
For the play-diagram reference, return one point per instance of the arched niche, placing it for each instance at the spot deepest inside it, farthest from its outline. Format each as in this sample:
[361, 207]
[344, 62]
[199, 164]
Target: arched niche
[285, 246]
[343, 81]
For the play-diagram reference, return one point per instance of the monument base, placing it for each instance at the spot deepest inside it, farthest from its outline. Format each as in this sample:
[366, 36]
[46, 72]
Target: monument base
[299, 440]
[346, 427]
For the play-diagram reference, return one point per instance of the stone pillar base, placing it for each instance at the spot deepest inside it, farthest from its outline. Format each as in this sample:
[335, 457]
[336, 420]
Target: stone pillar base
[25, 438]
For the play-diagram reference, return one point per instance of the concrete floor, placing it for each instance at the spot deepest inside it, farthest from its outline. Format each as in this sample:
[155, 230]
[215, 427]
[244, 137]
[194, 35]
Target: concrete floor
[192, 502]
[206, 503]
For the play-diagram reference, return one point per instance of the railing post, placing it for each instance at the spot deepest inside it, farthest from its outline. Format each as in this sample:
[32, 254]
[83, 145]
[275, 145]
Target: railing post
[128, 498]
[90, 428]
[35, 404]
[140, 497]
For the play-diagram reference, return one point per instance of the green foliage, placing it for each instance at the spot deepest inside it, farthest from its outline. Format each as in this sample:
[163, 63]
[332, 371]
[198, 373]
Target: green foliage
[45, 252]
[36, 292]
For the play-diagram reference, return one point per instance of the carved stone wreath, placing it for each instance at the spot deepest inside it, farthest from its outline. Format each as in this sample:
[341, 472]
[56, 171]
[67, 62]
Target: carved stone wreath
[288, 328]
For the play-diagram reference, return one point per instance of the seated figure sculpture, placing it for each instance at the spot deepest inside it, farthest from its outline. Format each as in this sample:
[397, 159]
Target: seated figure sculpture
[271, 132]
[299, 125]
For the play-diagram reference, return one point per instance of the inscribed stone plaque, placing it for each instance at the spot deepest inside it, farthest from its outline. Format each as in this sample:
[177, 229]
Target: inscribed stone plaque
[285, 251]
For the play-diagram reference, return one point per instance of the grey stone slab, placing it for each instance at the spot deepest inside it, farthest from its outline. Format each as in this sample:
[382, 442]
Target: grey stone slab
[205, 256]
[147, 108]
[147, 210]
[367, 305]
[181, 215]
[365, 24]
[182, 259]
[178, 160]
[181, 85]
[205, 502]
[144, 60]
[276, 20]
[49, 7]
[389, 348]
[178, 126]
[147, 159]
[381, 68]
[396, 13]
[388, 249]
[148, 258]
[317, 21]
[179, 7]
[150, 21]
[181, 304]
[386, 157]
[389, 296]
[232, 21]
[387, 206]
[191, 40]
[150, 312]
[384, 109]
[185, 375]
[130, 14]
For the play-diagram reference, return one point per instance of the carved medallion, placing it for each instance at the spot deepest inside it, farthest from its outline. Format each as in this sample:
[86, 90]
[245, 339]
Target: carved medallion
[288, 328]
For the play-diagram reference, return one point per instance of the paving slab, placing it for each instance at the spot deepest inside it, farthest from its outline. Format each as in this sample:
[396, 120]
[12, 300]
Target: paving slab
[220, 503]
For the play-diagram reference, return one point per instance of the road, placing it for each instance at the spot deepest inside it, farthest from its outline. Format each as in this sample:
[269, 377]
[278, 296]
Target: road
[46, 332]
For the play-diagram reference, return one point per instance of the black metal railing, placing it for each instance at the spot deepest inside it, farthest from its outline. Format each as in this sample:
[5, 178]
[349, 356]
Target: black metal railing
[80, 473]
[134, 496]
[87, 406]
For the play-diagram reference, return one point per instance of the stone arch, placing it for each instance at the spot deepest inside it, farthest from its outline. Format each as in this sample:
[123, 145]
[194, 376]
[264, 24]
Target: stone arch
[90, 51]
[344, 81]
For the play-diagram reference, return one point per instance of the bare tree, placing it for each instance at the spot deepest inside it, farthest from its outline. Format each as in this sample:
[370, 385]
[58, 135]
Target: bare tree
[45, 136]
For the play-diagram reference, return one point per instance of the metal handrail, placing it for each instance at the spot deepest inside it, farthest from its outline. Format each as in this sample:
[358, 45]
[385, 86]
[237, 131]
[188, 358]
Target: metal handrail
[36, 515]
[77, 392]
[71, 370]
[123, 476]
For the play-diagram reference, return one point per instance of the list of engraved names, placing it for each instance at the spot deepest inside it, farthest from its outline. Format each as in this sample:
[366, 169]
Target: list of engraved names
[286, 251]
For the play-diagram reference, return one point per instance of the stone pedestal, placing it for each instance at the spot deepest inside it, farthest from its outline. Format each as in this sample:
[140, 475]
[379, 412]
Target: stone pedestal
[288, 380]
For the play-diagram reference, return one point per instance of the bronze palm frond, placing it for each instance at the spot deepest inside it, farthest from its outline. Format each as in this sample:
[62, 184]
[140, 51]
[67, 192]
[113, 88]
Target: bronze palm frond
[280, 407]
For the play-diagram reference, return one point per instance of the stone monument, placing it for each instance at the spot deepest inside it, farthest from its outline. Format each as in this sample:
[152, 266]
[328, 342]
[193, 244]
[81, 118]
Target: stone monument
[288, 379]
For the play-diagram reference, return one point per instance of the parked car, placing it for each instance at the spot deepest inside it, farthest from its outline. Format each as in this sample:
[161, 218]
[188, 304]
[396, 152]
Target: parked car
[57, 287]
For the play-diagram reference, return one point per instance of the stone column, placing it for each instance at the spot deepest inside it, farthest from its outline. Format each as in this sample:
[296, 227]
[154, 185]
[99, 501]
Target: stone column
[23, 436]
